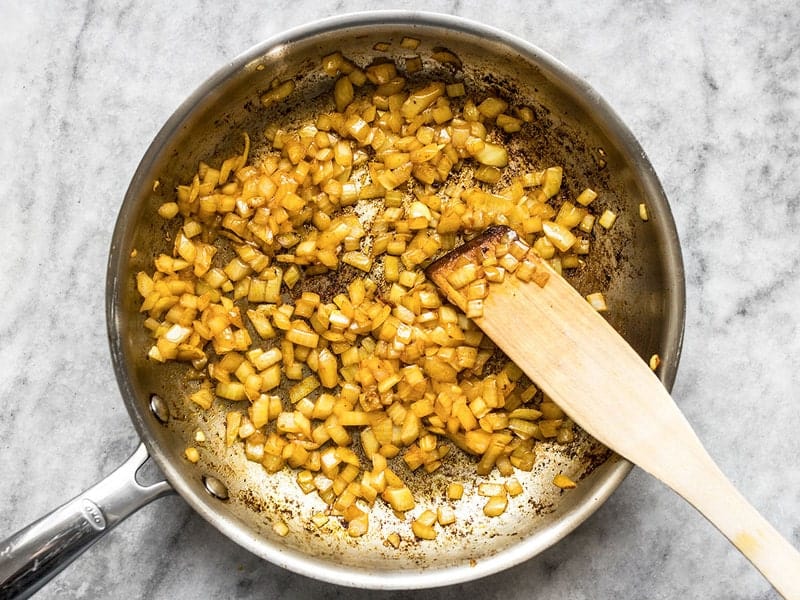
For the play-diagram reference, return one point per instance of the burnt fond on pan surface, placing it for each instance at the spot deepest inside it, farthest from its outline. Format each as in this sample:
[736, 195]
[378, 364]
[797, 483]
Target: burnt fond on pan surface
[626, 263]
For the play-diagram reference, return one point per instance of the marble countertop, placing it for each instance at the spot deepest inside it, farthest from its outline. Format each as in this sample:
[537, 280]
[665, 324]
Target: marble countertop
[711, 90]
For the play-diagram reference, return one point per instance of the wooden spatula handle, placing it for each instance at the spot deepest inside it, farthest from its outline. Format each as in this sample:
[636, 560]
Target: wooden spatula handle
[701, 483]
[744, 526]
[668, 448]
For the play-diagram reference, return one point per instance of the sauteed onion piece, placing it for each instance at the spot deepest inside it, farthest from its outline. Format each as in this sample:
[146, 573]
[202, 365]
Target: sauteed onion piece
[391, 177]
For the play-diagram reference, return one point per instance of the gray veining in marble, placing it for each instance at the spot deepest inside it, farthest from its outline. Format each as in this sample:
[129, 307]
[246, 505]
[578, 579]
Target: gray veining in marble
[711, 90]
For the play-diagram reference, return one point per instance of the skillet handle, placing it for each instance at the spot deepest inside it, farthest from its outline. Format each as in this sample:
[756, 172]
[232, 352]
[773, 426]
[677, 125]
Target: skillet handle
[37, 553]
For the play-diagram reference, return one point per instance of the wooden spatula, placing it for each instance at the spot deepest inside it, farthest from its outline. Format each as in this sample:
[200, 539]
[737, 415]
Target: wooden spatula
[571, 352]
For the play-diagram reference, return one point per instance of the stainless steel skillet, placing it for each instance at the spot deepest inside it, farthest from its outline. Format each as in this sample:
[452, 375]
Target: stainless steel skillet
[638, 265]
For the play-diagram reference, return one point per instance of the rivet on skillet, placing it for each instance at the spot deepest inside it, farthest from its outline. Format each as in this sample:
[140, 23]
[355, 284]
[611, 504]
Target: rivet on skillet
[159, 408]
[215, 487]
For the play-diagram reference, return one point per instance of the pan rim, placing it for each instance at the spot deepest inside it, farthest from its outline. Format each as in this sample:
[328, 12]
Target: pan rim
[296, 561]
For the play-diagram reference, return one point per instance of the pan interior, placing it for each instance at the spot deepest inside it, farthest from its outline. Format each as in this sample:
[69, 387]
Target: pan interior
[637, 264]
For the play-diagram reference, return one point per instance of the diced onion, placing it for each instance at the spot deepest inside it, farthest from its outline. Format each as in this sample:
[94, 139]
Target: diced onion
[598, 301]
[393, 366]
[564, 482]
